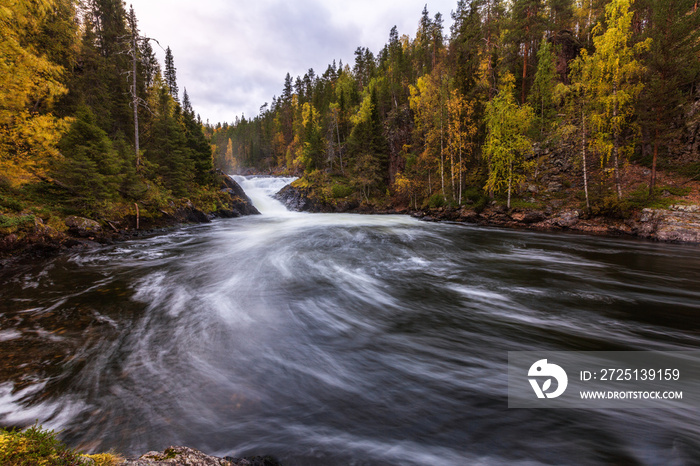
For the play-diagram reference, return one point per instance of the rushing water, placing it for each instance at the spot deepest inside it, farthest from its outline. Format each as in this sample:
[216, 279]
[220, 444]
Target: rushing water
[342, 339]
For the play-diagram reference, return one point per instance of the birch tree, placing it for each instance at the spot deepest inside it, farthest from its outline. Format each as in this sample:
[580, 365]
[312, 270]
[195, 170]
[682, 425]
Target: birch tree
[611, 79]
[507, 143]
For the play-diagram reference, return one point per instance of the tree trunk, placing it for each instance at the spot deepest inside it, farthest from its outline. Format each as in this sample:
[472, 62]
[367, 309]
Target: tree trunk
[525, 57]
[652, 183]
[135, 101]
[616, 145]
[510, 181]
[588, 24]
[585, 165]
[442, 160]
[340, 151]
[461, 181]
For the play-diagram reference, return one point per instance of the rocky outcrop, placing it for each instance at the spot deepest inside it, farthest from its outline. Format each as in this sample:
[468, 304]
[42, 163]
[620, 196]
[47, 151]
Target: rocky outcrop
[678, 224]
[298, 200]
[82, 227]
[190, 457]
[190, 214]
[304, 200]
[240, 203]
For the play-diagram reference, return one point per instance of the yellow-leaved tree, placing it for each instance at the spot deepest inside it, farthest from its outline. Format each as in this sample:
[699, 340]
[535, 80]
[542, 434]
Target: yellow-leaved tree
[610, 79]
[507, 143]
[462, 129]
[30, 84]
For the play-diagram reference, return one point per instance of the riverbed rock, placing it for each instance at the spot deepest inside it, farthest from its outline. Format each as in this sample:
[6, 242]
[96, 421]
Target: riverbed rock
[192, 215]
[83, 227]
[532, 216]
[566, 219]
[681, 224]
[191, 457]
[297, 199]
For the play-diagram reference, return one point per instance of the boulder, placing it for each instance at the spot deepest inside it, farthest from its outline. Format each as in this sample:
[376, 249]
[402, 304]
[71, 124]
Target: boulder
[83, 227]
[297, 199]
[533, 216]
[240, 202]
[566, 219]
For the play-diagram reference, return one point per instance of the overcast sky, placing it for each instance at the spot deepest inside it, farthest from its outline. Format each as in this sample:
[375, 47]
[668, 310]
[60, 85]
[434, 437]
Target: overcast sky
[232, 56]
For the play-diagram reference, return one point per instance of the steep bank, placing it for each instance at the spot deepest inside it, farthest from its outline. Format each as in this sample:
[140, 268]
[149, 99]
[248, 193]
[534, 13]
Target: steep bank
[32, 236]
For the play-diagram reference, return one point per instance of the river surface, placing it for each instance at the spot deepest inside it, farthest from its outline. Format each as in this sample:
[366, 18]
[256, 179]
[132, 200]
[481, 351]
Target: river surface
[333, 339]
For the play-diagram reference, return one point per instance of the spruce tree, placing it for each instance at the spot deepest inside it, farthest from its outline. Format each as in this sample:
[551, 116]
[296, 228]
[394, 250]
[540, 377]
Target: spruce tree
[170, 75]
[90, 167]
[465, 45]
[672, 69]
[541, 96]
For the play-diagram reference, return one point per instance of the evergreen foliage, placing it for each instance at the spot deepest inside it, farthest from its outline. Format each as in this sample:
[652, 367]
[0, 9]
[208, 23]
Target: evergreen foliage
[72, 73]
[614, 75]
[617, 78]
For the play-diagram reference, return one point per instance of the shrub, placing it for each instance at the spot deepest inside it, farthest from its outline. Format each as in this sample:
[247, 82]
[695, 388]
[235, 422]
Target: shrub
[478, 198]
[339, 190]
[38, 447]
[12, 224]
[11, 204]
[436, 200]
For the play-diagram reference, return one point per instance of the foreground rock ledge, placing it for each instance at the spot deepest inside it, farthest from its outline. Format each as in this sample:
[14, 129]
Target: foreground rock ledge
[190, 457]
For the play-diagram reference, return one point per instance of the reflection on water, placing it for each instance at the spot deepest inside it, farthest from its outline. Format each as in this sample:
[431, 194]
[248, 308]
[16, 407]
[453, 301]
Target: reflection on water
[342, 339]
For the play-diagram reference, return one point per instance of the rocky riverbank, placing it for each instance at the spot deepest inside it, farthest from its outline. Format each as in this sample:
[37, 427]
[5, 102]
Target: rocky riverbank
[43, 240]
[679, 223]
[188, 456]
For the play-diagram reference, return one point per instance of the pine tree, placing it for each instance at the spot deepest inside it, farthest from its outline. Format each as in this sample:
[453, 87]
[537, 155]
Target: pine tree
[527, 26]
[101, 80]
[166, 142]
[368, 147]
[187, 105]
[561, 12]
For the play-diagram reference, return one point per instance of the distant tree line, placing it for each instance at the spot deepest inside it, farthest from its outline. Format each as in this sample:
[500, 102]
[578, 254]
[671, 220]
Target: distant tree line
[433, 117]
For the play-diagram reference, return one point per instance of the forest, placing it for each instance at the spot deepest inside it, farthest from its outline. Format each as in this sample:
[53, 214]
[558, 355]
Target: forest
[476, 112]
[90, 123]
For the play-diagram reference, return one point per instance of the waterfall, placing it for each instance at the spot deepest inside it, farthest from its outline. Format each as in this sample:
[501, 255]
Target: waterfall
[260, 189]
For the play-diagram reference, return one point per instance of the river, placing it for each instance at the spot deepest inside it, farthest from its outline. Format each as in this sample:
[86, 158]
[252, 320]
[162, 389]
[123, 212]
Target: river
[334, 339]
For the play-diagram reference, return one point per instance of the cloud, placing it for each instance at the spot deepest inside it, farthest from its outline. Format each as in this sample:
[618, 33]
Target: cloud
[232, 56]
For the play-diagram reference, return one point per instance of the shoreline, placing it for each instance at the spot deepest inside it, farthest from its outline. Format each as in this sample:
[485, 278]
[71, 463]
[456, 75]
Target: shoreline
[44, 241]
[679, 224]
[657, 225]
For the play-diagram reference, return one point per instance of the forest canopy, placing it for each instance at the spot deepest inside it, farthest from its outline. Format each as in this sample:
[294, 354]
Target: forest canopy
[442, 116]
[89, 121]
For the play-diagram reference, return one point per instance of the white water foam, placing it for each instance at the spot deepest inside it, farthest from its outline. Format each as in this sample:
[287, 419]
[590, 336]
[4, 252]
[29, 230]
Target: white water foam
[260, 189]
